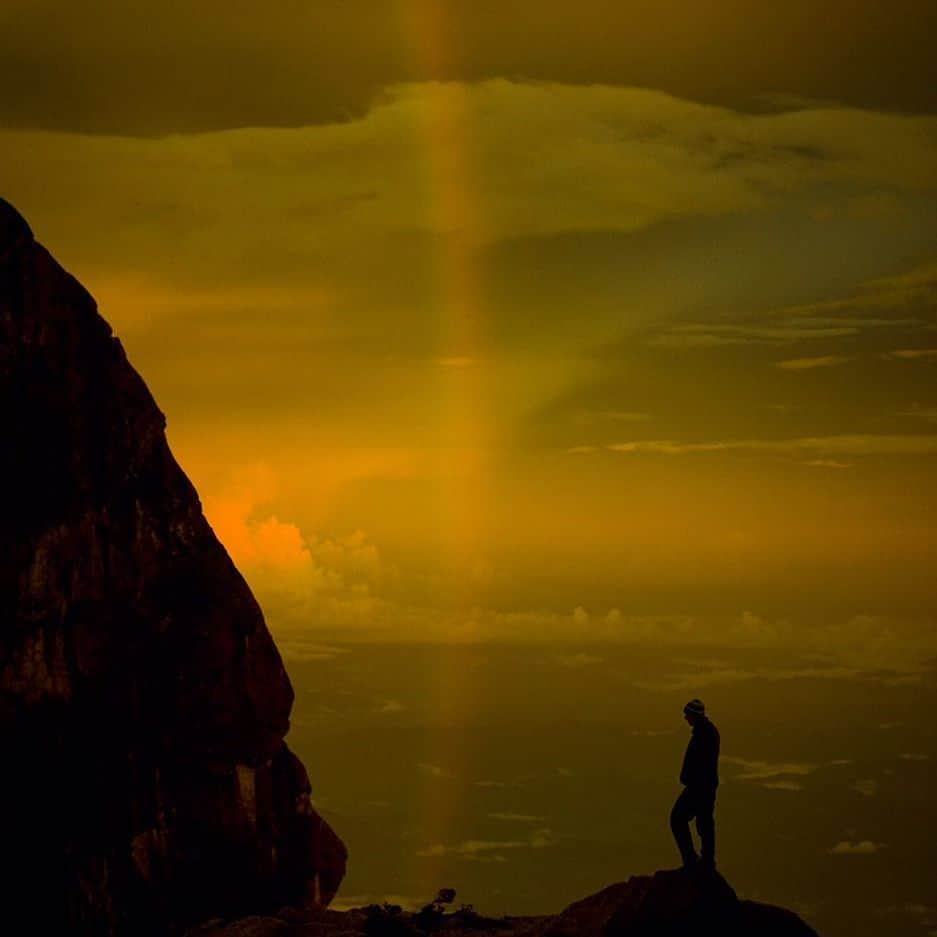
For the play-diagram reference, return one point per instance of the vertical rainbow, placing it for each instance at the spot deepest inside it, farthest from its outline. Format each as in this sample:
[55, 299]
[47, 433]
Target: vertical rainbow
[455, 207]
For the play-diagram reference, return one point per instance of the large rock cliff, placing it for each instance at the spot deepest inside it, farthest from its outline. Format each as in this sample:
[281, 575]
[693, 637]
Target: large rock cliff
[145, 781]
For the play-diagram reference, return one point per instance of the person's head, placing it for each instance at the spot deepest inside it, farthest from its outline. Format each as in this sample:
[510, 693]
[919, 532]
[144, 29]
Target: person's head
[694, 711]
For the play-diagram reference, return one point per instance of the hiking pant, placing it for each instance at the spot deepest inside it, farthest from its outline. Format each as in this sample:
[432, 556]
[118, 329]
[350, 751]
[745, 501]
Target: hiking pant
[699, 803]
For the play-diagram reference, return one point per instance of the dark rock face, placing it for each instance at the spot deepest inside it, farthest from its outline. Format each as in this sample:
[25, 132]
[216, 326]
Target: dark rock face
[145, 781]
[673, 903]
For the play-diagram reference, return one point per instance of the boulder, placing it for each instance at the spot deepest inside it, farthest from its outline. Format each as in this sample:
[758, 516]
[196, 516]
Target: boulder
[672, 903]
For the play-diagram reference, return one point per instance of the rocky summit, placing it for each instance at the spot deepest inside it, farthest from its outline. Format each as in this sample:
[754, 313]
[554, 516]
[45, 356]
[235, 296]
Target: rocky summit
[670, 903]
[146, 784]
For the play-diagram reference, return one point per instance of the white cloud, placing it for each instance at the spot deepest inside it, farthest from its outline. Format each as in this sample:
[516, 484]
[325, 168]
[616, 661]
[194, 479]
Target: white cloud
[828, 463]
[864, 847]
[476, 848]
[912, 354]
[851, 444]
[435, 771]
[808, 364]
[297, 577]
[297, 649]
[710, 335]
[319, 591]
[764, 770]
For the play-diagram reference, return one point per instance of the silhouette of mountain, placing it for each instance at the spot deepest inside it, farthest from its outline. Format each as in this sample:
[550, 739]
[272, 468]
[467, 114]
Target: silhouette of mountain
[146, 784]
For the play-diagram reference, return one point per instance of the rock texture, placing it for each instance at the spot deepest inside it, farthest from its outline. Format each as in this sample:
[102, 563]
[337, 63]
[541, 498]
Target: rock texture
[145, 781]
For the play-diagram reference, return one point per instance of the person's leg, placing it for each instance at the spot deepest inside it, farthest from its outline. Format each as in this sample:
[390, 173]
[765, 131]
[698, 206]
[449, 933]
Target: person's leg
[680, 817]
[706, 826]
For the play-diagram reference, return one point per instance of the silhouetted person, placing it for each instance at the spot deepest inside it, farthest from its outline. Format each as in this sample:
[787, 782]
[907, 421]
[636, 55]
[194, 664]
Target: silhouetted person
[700, 778]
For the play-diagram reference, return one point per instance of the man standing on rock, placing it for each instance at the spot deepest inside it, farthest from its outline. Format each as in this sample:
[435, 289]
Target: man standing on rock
[700, 778]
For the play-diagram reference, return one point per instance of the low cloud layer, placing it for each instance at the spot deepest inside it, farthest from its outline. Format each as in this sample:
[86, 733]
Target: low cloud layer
[865, 847]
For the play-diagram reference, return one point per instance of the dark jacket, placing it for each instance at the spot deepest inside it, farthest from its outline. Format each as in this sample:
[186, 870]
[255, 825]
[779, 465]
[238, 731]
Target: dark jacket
[701, 762]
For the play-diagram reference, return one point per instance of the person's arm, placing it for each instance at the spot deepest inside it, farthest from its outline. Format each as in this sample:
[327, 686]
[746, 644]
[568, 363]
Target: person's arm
[690, 758]
[710, 760]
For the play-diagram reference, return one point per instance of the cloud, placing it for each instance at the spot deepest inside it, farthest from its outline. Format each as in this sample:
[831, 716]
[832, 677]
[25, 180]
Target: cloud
[864, 847]
[928, 414]
[435, 771]
[855, 444]
[808, 364]
[104, 65]
[319, 592]
[581, 659]
[479, 848]
[912, 354]
[517, 817]
[765, 770]
[297, 649]
[914, 756]
[868, 787]
[609, 159]
[917, 286]
[262, 543]
[887, 303]
[709, 335]
[697, 677]
[298, 578]
[828, 463]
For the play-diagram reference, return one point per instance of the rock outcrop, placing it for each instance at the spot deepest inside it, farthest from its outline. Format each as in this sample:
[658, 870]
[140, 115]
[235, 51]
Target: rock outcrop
[670, 903]
[145, 781]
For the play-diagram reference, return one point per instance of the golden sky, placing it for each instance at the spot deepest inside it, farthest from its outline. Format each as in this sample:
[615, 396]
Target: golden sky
[526, 321]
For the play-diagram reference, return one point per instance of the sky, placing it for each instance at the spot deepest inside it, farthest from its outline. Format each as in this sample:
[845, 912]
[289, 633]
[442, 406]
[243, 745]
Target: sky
[525, 321]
